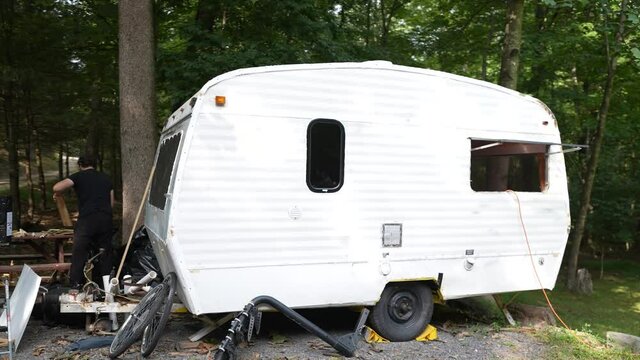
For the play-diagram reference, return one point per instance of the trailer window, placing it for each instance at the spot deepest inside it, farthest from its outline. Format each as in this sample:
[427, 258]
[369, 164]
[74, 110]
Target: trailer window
[500, 166]
[325, 155]
[164, 169]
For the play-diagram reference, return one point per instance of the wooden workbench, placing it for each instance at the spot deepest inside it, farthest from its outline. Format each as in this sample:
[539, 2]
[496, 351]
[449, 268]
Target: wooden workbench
[41, 242]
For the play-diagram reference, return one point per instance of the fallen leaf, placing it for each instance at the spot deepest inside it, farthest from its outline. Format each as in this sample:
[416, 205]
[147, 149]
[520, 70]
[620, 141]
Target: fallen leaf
[318, 345]
[278, 339]
[374, 348]
[447, 324]
[38, 350]
[187, 345]
[178, 353]
[61, 341]
[332, 356]
[204, 347]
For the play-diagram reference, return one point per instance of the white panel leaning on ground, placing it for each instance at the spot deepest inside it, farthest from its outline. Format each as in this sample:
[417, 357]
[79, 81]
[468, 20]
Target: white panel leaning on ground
[325, 184]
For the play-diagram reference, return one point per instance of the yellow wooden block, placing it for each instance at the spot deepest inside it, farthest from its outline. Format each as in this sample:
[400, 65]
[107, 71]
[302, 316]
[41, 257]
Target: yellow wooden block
[430, 333]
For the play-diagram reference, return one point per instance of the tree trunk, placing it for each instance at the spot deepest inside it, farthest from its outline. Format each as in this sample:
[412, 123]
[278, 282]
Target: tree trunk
[137, 103]
[42, 184]
[511, 47]
[60, 162]
[92, 143]
[27, 175]
[115, 161]
[206, 14]
[101, 156]
[14, 166]
[34, 142]
[6, 17]
[66, 158]
[498, 167]
[368, 32]
[592, 164]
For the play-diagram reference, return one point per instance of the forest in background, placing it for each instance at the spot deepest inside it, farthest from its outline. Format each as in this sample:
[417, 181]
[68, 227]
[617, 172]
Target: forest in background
[59, 76]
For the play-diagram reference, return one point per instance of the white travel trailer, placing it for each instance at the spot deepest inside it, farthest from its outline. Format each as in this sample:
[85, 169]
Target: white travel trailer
[357, 184]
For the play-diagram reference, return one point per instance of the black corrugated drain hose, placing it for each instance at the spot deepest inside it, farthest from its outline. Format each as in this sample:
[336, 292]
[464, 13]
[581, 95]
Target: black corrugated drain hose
[241, 328]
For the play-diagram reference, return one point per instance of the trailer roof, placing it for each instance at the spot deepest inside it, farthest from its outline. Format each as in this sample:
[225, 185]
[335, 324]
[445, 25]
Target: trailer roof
[187, 107]
[375, 64]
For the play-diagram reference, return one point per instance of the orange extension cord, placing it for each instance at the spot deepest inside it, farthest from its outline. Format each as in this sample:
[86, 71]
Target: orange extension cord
[535, 271]
[533, 265]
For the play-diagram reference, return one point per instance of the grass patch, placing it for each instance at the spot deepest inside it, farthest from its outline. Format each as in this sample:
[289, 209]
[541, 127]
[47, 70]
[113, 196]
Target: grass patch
[614, 305]
[563, 344]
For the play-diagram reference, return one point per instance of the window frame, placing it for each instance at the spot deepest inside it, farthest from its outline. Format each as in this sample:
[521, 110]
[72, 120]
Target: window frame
[512, 148]
[341, 155]
[179, 133]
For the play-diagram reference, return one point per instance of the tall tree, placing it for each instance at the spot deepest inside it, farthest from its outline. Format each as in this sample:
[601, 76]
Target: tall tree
[137, 103]
[498, 167]
[8, 94]
[612, 51]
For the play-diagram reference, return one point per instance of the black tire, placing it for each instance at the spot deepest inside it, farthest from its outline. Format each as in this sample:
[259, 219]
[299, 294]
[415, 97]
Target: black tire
[403, 312]
[140, 317]
[153, 332]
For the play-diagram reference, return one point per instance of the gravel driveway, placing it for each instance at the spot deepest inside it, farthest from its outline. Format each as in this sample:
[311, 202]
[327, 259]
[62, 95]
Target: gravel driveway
[281, 339]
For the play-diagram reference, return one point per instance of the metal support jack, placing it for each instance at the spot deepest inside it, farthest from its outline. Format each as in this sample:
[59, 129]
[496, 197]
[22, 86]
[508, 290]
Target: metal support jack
[502, 306]
[211, 325]
[9, 344]
[248, 320]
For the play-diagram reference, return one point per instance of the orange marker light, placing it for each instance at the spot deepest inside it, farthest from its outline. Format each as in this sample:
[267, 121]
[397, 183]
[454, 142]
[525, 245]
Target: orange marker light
[220, 100]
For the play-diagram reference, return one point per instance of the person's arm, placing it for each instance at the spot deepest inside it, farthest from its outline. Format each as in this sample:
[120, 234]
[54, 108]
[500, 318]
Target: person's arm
[113, 199]
[62, 186]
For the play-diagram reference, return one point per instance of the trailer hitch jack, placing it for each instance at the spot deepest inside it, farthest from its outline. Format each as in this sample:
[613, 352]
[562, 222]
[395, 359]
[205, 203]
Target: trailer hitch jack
[248, 320]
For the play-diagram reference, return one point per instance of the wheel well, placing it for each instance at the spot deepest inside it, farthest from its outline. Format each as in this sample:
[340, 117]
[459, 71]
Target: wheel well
[432, 283]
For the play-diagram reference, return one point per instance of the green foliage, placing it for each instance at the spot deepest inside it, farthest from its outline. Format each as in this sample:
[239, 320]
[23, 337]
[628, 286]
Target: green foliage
[59, 69]
[58, 66]
[573, 345]
[238, 34]
[614, 305]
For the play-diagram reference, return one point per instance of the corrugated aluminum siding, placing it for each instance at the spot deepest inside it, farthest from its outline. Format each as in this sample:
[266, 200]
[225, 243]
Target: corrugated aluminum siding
[407, 161]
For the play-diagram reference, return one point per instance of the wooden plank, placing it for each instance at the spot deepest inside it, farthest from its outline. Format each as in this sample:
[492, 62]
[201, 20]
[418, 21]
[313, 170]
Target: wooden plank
[43, 250]
[40, 236]
[6, 257]
[36, 267]
[62, 210]
[60, 248]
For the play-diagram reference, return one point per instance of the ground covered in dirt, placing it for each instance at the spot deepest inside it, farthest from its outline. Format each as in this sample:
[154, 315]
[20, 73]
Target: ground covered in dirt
[458, 338]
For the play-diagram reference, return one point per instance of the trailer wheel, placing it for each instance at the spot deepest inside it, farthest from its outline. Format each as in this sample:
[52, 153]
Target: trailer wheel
[140, 317]
[153, 331]
[403, 312]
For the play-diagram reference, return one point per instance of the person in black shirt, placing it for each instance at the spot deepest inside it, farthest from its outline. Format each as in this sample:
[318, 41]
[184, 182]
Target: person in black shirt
[94, 225]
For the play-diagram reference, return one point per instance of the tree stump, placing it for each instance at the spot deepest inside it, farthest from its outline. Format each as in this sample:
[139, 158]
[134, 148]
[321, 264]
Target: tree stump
[584, 285]
[531, 315]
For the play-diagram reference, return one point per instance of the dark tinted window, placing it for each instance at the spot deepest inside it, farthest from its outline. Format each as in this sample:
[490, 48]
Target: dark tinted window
[325, 155]
[164, 169]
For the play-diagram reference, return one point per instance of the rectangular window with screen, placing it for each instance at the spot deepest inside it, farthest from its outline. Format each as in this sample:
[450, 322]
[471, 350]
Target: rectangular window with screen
[325, 155]
[164, 170]
[503, 165]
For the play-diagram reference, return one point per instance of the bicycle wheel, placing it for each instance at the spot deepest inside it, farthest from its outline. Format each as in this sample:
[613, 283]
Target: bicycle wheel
[153, 331]
[139, 318]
